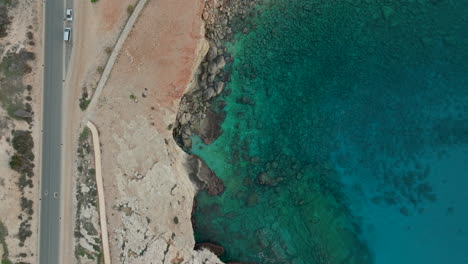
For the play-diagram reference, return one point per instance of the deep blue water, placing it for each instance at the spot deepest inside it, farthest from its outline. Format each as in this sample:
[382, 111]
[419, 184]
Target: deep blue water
[346, 136]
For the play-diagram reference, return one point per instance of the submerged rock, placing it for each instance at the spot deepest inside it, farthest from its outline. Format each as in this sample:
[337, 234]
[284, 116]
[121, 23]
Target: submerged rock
[210, 127]
[219, 87]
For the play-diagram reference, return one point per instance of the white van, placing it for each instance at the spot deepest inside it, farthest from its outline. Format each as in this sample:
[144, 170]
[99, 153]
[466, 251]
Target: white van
[67, 34]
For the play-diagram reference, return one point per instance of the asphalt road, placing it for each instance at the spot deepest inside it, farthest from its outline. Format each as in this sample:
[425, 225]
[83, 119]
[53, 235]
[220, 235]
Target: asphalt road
[49, 234]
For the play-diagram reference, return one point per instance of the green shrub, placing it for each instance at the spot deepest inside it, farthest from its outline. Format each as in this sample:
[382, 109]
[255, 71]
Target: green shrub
[84, 135]
[84, 101]
[17, 162]
[130, 9]
[24, 231]
[23, 142]
[108, 50]
[100, 69]
[26, 205]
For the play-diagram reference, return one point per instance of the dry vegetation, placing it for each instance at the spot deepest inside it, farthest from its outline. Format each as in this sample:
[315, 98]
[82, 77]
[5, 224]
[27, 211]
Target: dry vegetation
[87, 229]
[17, 182]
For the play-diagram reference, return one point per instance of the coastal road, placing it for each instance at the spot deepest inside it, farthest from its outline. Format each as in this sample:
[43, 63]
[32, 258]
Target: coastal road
[49, 233]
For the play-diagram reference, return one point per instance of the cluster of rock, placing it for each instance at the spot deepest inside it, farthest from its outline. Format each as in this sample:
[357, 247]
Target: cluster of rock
[196, 116]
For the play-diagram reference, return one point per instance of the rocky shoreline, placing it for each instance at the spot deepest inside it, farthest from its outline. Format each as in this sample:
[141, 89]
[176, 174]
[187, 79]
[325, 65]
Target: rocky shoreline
[200, 109]
[199, 113]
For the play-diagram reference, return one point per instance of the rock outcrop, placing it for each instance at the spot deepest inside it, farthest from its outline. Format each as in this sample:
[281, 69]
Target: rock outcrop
[223, 19]
[216, 249]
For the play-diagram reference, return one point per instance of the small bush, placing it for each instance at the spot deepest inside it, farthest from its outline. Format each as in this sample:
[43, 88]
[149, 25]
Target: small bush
[5, 21]
[176, 220]
[24, 231]
[26, 205]
[24, 182]
[6, 261]
[29, 35]
[100, 69]
[84, 101]
[84, 135]
[22, 142]
[108, 50]
[94, 1]
[17, 162]
[130, 9]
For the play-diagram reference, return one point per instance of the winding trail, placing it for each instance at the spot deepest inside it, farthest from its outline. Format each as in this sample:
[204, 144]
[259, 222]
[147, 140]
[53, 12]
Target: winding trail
[100, 190]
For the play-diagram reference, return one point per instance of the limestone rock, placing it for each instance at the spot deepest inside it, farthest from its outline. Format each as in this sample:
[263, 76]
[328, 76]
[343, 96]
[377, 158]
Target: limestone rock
[212, 53]
[185, 118]
[220, 62]
[211, 78]
[208, 93]
[213, 68]
[219, 87]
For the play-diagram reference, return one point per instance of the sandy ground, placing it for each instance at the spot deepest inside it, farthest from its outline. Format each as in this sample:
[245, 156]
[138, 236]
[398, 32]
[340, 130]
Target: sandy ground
[27, 13]
[95, 28]
[148, 193]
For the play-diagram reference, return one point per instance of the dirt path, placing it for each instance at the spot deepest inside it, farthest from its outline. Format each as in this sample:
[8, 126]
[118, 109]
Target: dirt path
[115, 53]
[100, 191]
[96, 27]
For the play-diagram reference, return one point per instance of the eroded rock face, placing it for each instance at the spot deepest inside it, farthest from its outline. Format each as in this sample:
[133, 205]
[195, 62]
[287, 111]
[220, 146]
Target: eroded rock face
[216, 249]
[203, 177]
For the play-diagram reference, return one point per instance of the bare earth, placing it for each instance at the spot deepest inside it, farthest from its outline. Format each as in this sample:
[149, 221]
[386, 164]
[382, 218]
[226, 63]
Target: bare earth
[149, 195]
[96, 26]
[26, 13]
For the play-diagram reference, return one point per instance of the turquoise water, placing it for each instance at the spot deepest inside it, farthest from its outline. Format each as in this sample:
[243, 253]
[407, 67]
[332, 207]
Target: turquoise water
[346, 136]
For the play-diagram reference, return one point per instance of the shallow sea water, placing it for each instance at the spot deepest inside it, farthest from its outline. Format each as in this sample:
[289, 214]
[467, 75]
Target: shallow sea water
[346, 136]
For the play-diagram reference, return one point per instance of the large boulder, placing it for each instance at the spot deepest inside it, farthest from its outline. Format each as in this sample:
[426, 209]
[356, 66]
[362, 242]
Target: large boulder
[185, 118]
[213, 68]
[212, 53]
[208, 93]
[220, 62]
